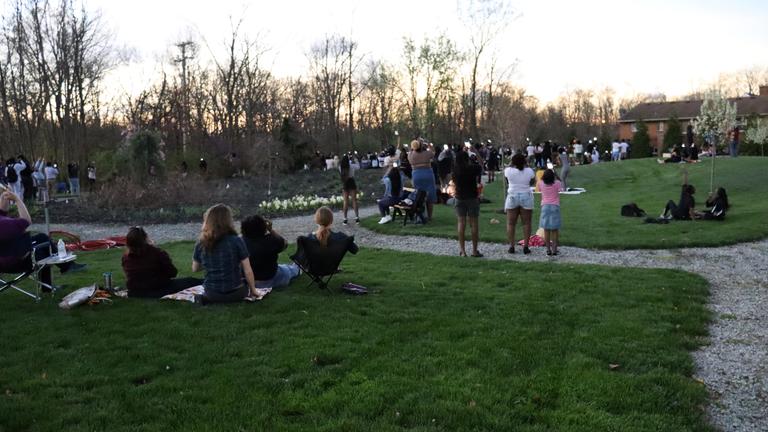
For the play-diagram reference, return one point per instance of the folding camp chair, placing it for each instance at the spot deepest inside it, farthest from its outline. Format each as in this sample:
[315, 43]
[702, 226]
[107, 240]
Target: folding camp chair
[25, 268]
[320, 262]
[410, 212]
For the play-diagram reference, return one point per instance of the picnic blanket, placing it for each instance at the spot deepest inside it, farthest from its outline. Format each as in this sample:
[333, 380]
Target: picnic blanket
[190, 293]
[570, 191]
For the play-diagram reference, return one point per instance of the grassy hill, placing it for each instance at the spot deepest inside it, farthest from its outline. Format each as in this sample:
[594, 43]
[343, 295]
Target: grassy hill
[592, 219]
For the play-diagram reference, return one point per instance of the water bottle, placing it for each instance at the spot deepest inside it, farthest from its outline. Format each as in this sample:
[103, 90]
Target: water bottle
[61, 248]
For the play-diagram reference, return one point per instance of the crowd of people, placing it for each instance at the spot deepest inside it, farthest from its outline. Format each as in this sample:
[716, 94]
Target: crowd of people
[236, 265]
[42, 179]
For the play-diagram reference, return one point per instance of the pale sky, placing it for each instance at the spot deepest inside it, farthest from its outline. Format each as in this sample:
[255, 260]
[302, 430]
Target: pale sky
[632, 46]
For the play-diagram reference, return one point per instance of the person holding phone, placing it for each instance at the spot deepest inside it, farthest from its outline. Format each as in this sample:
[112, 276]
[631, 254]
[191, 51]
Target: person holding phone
[519, 202]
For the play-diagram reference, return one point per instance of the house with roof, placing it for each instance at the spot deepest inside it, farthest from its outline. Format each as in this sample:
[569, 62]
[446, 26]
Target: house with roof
[656, 115]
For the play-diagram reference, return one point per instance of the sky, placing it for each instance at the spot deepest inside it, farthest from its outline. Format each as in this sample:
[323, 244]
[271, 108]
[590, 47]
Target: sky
[632, 46]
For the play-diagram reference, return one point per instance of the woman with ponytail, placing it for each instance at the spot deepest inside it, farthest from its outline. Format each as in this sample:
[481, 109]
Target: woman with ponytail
[323, 233]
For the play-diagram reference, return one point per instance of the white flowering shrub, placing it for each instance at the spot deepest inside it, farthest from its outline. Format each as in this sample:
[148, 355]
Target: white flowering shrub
[716, 119]
[301, 203]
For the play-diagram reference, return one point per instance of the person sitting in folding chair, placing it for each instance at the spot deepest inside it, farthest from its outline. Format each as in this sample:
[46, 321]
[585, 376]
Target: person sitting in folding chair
[16, 243]
[319, 254]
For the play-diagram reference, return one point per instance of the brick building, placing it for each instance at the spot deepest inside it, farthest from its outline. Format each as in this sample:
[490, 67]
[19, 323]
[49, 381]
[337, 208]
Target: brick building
[656, 115]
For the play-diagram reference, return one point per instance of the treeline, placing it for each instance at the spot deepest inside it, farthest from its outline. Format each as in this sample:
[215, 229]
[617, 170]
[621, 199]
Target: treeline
[54, 56]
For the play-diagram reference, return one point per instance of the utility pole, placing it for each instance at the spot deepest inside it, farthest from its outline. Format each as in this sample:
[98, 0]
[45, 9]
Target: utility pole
[187, 49]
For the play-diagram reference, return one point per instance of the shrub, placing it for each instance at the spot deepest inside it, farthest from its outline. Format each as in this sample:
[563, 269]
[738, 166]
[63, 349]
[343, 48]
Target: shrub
[641, 141]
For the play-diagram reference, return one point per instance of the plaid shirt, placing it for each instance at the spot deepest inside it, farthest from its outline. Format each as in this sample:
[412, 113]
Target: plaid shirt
[222, 264]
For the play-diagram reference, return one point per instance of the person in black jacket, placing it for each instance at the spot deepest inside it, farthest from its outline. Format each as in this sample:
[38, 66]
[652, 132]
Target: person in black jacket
[264, 246]
[465, 175]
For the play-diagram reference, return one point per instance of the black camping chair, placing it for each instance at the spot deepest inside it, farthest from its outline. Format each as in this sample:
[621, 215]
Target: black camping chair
[320, 262]
[413, 211]
[26, 267]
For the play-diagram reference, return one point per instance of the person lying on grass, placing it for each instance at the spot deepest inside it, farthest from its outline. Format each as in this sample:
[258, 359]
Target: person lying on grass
[223, 255]
[149, 271]
[264, 244]
[684, 210]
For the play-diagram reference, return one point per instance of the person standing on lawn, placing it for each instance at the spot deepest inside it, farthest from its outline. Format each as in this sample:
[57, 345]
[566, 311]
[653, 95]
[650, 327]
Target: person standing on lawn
[550, 210]
[348, 188]
[519, 201]
[465, 175]
[420, 159]
[73, 171]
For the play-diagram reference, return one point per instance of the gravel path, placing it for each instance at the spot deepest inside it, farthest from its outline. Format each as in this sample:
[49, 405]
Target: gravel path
[734, 365]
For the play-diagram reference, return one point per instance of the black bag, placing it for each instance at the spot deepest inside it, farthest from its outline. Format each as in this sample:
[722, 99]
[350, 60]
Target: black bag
[11, 175]
[632, 210]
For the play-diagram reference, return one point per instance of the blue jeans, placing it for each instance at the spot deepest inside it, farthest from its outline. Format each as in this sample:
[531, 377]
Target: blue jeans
[74, 186]
[734, 148]
[285, 274]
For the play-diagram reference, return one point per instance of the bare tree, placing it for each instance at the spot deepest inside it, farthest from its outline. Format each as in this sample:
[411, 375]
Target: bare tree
[485, 20]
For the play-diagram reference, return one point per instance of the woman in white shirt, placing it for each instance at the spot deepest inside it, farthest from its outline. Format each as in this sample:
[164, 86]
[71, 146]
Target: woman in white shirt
[519, 202]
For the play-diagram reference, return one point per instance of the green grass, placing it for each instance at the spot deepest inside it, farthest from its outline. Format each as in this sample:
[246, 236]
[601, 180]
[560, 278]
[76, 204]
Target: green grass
[592, 220]
[441, 344]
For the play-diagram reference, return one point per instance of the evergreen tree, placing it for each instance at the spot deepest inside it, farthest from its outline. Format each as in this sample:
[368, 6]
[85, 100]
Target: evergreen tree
[674, 134]
[641, 141]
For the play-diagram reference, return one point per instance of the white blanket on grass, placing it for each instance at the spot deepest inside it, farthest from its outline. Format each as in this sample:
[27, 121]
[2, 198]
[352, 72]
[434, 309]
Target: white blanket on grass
[190, 293]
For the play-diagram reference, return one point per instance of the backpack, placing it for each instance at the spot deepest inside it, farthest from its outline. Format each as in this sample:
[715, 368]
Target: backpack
[632, 210]
[11, 175]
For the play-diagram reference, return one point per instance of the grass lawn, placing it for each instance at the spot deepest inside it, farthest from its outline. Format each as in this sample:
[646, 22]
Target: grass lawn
[441, 344]
[592, 220]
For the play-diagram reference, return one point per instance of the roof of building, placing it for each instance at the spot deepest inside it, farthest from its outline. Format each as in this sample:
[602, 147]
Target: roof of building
[685, 110]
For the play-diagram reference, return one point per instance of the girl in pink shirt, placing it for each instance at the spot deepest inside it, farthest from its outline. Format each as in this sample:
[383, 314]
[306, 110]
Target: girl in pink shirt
[549, 186]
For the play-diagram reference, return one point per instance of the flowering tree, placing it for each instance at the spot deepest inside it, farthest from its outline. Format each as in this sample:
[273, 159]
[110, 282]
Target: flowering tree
[716, 118]
[758, 134]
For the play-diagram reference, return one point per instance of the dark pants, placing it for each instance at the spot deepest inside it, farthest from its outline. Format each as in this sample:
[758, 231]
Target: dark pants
[673, 210]
[234, 296]
[40, 253]
[176, 285]
[385, 203]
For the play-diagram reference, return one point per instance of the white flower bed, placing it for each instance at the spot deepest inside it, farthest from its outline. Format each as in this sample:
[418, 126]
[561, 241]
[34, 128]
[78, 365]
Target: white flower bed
[302, 202]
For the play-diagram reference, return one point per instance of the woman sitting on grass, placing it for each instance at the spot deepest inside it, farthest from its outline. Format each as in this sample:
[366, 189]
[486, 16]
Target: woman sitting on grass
[323, 233]
[550, 210]
[224, 257]
[149, 271]
[718, 205]
[264, 245]
[684, 209]
[393, 188]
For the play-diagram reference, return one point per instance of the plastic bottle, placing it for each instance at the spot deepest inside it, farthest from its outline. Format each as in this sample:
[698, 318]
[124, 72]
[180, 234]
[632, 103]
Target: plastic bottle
[61, 248]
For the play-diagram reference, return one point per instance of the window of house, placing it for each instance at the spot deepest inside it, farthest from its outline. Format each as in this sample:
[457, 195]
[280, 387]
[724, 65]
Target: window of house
[634, 127]
[661, 126]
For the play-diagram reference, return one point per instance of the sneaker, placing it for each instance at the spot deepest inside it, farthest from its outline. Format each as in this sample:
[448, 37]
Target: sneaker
[357, 220]
[344, 222]
[386, 219]
[526, 251]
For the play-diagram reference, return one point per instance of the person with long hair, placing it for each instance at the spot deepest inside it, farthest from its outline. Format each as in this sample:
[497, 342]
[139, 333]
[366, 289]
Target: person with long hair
[718, 205]
[323, 233]
[423, 177]
[467, 204]
[519, 202]
[264, 245]
[565, 166]
[348, 188]
[393, 182]
[149, 271]
[224, 257]
[550, 210]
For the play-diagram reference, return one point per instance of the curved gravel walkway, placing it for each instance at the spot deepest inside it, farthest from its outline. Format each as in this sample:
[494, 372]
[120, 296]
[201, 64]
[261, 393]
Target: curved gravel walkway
[734, 366]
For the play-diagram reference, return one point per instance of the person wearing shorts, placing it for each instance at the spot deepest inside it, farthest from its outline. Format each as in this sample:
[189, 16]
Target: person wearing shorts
[465, 175]
[519, 201]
